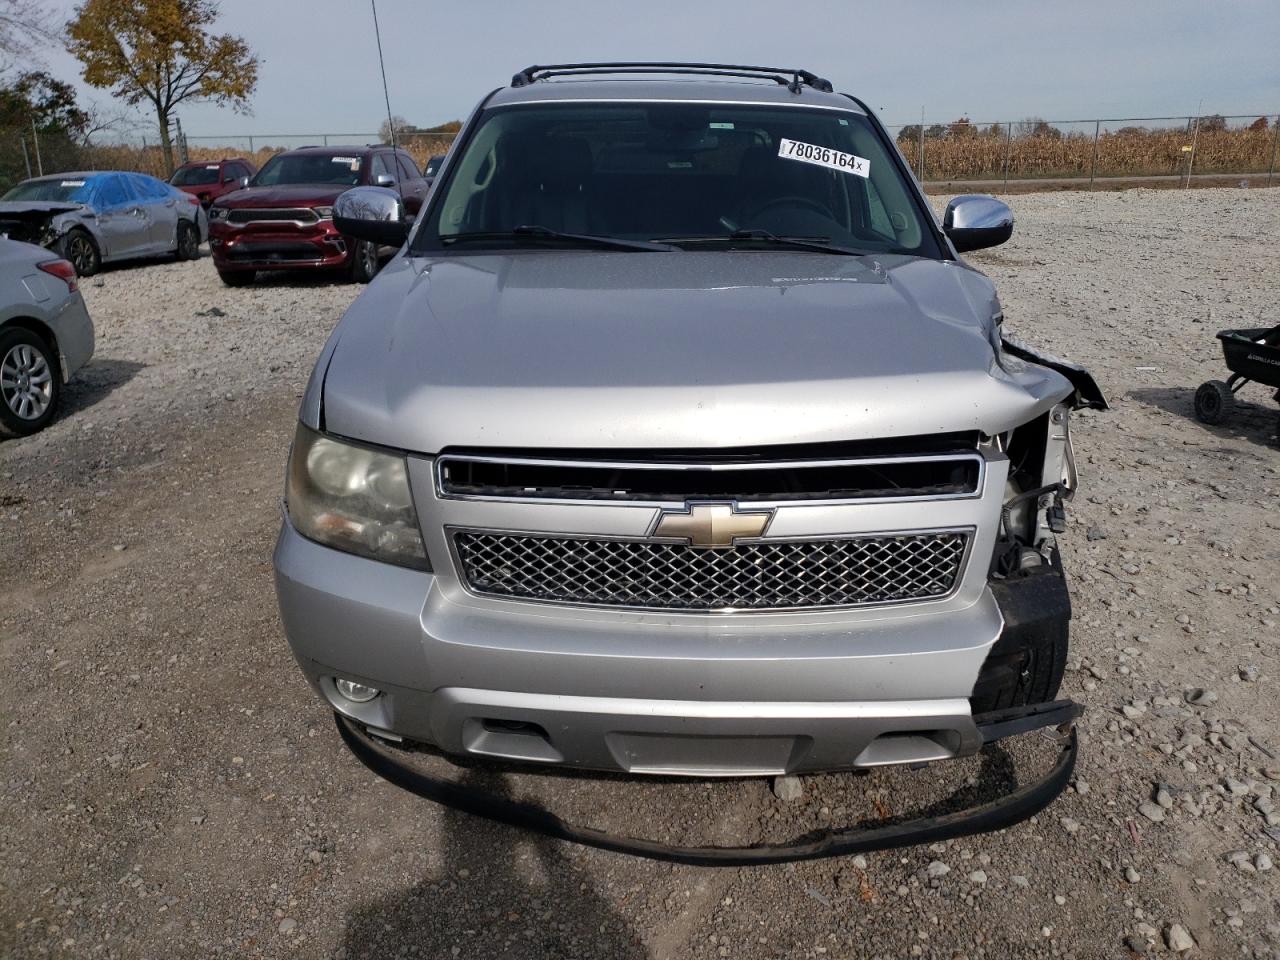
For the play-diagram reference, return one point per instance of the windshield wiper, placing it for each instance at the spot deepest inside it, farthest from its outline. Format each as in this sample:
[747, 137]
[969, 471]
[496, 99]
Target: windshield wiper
[534, 232]
[814, 244]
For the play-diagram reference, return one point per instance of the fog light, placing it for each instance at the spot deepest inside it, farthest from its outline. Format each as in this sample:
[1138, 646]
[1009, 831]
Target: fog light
[356, 692]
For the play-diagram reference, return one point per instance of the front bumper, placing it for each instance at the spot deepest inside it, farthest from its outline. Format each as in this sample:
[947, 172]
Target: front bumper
[276, 246]
[1024, 800]
[652, 694]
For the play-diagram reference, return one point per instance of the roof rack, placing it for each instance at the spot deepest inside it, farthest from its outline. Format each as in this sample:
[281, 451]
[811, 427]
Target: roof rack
[799, 79]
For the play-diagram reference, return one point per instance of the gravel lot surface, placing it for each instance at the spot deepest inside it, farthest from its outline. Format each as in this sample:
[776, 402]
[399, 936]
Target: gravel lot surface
[171, 788]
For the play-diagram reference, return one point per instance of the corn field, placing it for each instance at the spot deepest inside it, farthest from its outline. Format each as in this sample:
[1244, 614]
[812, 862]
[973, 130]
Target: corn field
[1148, 153]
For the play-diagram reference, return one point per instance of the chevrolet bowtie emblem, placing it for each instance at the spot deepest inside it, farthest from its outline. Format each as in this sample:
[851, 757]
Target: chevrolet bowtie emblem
[712, 526]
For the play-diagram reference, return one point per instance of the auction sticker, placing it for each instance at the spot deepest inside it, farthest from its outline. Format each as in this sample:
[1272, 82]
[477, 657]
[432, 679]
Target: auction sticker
[823, 157]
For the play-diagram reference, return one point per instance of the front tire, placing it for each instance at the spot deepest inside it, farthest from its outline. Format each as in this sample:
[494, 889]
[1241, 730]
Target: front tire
[237, 278]
[78, 247]
[30, 383]
[364, 261]
[188, 245]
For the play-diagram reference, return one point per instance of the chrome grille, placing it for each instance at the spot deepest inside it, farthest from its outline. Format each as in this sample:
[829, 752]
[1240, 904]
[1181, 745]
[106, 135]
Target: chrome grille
[753, 575]
[272, 215]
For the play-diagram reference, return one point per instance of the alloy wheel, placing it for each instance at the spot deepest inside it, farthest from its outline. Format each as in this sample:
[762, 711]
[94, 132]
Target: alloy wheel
[26, 383]
[80, 253]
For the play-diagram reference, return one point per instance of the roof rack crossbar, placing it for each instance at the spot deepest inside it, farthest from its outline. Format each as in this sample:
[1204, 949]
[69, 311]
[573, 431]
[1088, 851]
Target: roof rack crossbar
[776, 77]
[799, 78]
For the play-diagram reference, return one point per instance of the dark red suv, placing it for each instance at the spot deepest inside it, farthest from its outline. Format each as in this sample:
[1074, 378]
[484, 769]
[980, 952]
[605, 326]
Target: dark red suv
[210, 179]
[284, 219]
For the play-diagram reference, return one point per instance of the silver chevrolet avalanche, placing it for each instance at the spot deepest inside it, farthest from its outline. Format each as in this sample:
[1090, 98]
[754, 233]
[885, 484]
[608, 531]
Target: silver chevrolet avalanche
[678, 439]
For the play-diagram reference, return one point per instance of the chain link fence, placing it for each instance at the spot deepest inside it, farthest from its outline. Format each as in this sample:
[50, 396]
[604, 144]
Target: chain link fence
[999, 155]
[260, 148]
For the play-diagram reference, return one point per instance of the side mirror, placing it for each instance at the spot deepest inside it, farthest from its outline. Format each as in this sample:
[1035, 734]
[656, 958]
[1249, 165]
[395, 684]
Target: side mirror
[372, 213]
[384, 180]
[244, 182]
[976, 221]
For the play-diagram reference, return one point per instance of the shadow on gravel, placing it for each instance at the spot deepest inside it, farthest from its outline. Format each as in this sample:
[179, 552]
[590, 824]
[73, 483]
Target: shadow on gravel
[541, 908]
[301, 278]
[95, 382]
[1254, 418]
[116, 265]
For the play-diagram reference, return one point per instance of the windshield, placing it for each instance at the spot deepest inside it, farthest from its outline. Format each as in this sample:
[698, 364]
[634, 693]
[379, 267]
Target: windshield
[678, 172]
[56, 189]
[194, 176]
[337, 168]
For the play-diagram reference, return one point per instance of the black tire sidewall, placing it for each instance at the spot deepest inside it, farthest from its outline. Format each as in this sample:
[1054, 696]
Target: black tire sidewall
[360, 273]
[186, 230]
[1213, 401]
[11, 425]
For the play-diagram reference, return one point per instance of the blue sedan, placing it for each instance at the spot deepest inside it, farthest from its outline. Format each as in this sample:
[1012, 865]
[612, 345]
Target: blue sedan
[95, 217]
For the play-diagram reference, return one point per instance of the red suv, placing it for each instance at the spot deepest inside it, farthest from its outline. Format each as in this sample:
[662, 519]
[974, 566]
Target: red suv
[208, 180]
[284, 219]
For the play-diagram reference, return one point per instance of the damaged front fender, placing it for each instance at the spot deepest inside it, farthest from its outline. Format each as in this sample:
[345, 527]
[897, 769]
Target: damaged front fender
[1087, 394]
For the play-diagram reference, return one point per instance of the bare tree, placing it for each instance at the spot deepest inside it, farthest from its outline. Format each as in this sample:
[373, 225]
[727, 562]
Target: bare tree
[110, 118]
[402, 126]
[25, 26]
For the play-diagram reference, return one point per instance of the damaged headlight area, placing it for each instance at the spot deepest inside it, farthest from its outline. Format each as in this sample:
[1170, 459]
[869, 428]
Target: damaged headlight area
[1042, 477]
[353, 498]
[30, 228]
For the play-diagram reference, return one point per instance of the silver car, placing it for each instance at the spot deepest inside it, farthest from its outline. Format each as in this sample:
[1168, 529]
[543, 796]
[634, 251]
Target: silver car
[45, 335]
[95, 217]
[679, 439]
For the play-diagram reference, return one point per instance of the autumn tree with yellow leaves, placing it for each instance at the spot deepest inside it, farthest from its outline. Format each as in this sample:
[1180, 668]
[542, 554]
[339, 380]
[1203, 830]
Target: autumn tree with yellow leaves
[163, 52]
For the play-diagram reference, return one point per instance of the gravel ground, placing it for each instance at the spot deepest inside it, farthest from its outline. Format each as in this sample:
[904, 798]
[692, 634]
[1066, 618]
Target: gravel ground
[172, 788]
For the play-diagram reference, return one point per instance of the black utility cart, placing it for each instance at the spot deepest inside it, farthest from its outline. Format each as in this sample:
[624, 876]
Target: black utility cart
[1251, 355]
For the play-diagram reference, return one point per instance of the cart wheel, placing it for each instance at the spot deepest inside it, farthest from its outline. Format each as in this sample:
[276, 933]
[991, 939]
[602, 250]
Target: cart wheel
[1214, 401]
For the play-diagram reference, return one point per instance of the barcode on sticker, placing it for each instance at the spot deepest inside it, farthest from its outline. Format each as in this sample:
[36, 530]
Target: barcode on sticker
[823, 157]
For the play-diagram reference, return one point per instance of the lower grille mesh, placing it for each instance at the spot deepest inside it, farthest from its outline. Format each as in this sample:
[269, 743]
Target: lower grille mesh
[759, 575]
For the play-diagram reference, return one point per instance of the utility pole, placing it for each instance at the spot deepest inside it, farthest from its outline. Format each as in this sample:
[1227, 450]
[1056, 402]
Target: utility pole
[35, 139]
[1275, 143]
[922, 145]
[26, 159]
[1008, 152]
[182, 141]
[1195, 137]
[1093, 165]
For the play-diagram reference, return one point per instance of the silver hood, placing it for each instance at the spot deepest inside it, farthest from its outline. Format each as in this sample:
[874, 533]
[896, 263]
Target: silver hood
[604, 349]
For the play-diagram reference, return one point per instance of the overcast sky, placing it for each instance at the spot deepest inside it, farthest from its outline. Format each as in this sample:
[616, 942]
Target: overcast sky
[989, 60]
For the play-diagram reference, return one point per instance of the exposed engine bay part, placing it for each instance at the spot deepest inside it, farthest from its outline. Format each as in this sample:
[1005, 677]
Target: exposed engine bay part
[1042, 478]
[37, 225]
[1022, 802]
